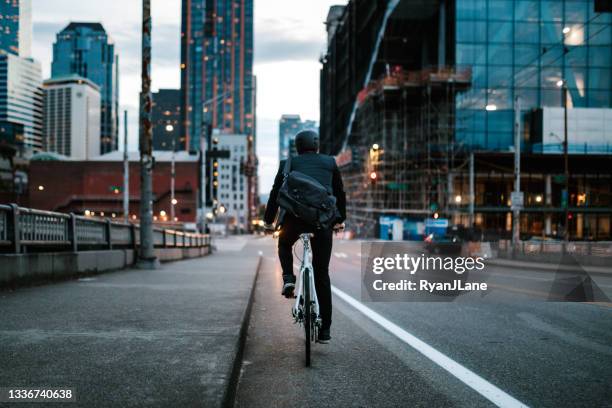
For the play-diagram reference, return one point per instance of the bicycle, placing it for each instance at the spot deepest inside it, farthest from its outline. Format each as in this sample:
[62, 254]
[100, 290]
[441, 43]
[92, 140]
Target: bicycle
[305, 310]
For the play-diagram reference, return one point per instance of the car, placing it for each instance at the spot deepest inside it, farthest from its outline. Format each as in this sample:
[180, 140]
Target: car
[447, 244]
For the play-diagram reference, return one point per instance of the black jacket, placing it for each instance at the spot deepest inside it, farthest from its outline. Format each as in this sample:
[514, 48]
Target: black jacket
[321, 167]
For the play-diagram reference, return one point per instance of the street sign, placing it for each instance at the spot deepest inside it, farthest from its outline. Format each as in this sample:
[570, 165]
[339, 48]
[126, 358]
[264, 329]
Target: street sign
[516, 200]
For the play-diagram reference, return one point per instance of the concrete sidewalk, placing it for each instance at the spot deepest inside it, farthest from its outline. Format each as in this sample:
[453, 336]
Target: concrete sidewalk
[169, 337]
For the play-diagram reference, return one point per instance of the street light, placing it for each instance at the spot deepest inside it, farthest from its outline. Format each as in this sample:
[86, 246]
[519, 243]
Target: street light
[491, 107]
[170, 128]
[562, 83]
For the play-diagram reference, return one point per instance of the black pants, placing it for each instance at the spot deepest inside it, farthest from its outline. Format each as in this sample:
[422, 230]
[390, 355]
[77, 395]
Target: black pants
[321, 245]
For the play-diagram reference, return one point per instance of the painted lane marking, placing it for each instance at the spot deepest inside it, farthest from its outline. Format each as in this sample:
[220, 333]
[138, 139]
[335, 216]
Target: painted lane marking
[468, 377]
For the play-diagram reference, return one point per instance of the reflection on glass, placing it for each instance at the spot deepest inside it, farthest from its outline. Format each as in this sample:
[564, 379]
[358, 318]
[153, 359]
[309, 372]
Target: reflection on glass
[574, 35]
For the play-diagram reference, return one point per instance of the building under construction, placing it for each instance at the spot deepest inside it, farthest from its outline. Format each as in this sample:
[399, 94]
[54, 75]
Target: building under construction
[397, 101]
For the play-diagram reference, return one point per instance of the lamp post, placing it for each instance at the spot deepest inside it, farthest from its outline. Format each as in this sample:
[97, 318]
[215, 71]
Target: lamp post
[562, 83]
[170, 128]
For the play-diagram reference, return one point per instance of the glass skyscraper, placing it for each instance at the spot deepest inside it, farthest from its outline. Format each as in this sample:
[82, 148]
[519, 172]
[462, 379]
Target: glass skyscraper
[21, 100]
[527, 48]
[217, 83]
[16, 26]
[288, 127]
[86, 49]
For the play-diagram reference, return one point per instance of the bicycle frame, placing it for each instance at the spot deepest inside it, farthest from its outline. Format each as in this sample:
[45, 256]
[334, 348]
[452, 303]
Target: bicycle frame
[306, 267]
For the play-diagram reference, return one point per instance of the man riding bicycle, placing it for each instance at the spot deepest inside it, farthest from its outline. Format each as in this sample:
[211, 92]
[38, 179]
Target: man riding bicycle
[323, 168]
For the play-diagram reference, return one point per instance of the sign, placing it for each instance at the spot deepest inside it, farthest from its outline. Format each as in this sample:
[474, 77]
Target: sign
[516, 200]
[344, 158]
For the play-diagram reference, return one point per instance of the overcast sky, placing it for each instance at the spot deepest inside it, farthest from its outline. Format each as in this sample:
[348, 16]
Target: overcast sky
[289, 38]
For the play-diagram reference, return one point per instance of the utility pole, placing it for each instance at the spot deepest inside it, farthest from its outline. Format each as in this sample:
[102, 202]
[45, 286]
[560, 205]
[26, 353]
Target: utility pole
[566, 160]
[472, 196]
[516, 198]
[147, 259]
[203, 178]
[126, 171]
[172, 181]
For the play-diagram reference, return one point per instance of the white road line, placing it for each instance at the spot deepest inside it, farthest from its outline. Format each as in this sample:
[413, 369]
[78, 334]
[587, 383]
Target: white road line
[340, 255]
[471, 379]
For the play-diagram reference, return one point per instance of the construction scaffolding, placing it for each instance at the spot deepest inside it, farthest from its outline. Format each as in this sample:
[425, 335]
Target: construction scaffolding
[402, 146]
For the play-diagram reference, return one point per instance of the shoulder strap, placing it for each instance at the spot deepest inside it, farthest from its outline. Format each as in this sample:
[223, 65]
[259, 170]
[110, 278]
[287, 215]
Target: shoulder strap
[287, 168]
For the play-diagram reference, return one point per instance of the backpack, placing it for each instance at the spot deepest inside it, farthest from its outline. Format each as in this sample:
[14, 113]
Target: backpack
[307, 199]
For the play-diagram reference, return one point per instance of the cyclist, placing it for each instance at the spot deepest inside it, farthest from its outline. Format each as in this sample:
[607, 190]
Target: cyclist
[323, 168]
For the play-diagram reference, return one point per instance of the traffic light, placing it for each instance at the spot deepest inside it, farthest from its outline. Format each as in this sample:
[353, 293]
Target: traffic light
[570, 216]
[215, 178]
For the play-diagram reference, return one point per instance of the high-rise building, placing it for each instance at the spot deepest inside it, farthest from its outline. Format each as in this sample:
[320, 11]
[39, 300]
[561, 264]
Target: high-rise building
[524, 49]
[72, 117]
[21, 100]
[288, 127]
[166, 119]
[16, 27]
[435, 89]
[217, 81]
[232, 190]
[85, 49]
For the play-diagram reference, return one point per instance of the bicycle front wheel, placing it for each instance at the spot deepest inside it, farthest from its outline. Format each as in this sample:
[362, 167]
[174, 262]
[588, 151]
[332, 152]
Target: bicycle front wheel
[307, 314]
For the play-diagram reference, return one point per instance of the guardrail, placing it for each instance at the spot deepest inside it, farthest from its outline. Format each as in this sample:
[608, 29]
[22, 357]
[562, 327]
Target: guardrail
[536, 247]
[22, 229]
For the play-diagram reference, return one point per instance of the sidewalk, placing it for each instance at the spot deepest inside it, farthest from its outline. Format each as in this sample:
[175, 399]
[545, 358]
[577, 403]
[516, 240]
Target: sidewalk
[548, 266]
[168, 337]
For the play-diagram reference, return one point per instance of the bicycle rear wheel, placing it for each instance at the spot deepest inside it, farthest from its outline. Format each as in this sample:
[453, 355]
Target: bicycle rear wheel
[307, 314]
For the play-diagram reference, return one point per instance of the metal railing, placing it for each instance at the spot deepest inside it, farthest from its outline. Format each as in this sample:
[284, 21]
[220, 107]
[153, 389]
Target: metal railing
[536, 247]
[23, 229]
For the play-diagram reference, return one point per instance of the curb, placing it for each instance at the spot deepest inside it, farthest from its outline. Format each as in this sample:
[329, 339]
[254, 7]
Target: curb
[548, 267]
[229, 396]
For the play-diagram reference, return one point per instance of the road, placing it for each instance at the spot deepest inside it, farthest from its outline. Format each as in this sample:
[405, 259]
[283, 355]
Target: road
[506, 351]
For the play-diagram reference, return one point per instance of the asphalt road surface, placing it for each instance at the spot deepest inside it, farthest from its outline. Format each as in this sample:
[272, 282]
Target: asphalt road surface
[510, 350]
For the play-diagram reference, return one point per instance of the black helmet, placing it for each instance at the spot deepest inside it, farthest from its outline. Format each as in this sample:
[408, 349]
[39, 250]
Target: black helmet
[307, 141]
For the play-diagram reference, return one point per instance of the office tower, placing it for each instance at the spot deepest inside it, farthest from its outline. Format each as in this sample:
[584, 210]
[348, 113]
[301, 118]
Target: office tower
[217, 84]
[16, 27]
[85, 49]
[231, 190]
[166, 119]
[71, 122]
[423, 118]
[288, 127]
[525, 49]
[21, 100]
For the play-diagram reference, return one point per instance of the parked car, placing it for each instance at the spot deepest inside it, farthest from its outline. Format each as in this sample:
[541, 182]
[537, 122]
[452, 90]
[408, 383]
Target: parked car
[447, 244]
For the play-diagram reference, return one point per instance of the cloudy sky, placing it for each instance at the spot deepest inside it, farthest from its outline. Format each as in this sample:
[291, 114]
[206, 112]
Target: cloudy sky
[289, 38]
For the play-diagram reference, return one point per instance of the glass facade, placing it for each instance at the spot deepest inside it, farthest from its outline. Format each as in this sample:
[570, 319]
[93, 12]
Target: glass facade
[16, 26]
[85, 49]
[288, 127]
[524, 48]
[217, 67]
[21, 99]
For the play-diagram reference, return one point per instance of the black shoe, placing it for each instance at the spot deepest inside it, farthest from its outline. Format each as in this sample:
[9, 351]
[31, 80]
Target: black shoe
[324, 336]
[288, 286]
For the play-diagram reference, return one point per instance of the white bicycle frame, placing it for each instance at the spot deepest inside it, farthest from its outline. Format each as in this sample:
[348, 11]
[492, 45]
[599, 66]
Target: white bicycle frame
[306, 265]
